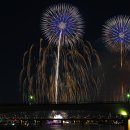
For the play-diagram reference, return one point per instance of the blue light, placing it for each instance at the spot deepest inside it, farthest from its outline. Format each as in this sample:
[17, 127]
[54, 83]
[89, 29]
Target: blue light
[116, 32]
[67, 20]
[62, 18]
[121, 34]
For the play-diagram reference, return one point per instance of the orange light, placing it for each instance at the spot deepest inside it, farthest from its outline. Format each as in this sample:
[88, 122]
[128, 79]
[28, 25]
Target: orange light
[128, 124]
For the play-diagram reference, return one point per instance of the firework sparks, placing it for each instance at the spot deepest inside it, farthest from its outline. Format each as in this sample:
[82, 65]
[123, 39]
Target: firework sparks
[61, 24]
[80, 74]
[63, 71]
[65, 18]
[116, 34]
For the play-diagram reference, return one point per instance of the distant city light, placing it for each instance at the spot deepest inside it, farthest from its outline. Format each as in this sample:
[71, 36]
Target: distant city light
[123, 112]
[13, 124]
[128, 95]
[66, 122]
[58, 116]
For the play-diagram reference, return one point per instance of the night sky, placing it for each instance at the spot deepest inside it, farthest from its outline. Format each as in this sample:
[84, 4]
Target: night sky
[20, 28]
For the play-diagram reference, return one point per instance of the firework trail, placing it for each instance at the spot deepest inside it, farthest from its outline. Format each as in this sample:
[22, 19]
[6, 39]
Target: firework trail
[57, 66]
[116, 34]
[61, 24]
[80, 74]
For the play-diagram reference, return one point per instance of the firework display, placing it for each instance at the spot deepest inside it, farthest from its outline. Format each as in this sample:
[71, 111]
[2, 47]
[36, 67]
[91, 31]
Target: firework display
[67, 70]
[116, 34]
[65, 19]
[61, 24]
[80, 75]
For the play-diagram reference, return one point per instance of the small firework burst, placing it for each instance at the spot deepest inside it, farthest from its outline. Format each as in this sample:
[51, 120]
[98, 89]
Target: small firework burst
[63, 18]
[116, 32]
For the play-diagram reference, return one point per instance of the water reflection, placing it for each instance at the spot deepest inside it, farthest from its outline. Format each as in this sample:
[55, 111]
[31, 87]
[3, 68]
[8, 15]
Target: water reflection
[99, 127]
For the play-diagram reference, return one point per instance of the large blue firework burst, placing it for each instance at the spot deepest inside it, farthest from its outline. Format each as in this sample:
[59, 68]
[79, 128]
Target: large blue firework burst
[63, 18]
[116, 31]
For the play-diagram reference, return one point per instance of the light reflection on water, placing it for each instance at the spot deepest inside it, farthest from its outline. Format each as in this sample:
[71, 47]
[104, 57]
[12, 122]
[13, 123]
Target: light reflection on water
[73, 128]
[85, 128]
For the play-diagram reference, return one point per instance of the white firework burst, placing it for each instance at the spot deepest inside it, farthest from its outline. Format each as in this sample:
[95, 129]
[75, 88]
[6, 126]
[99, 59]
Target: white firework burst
[62, 18]
[116, 32]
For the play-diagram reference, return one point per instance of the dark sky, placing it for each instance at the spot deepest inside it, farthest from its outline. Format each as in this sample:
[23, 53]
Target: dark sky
[19, 29]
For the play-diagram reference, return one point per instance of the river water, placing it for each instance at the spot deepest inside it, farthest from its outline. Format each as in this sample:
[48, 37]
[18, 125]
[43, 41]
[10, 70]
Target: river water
[107, 127]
